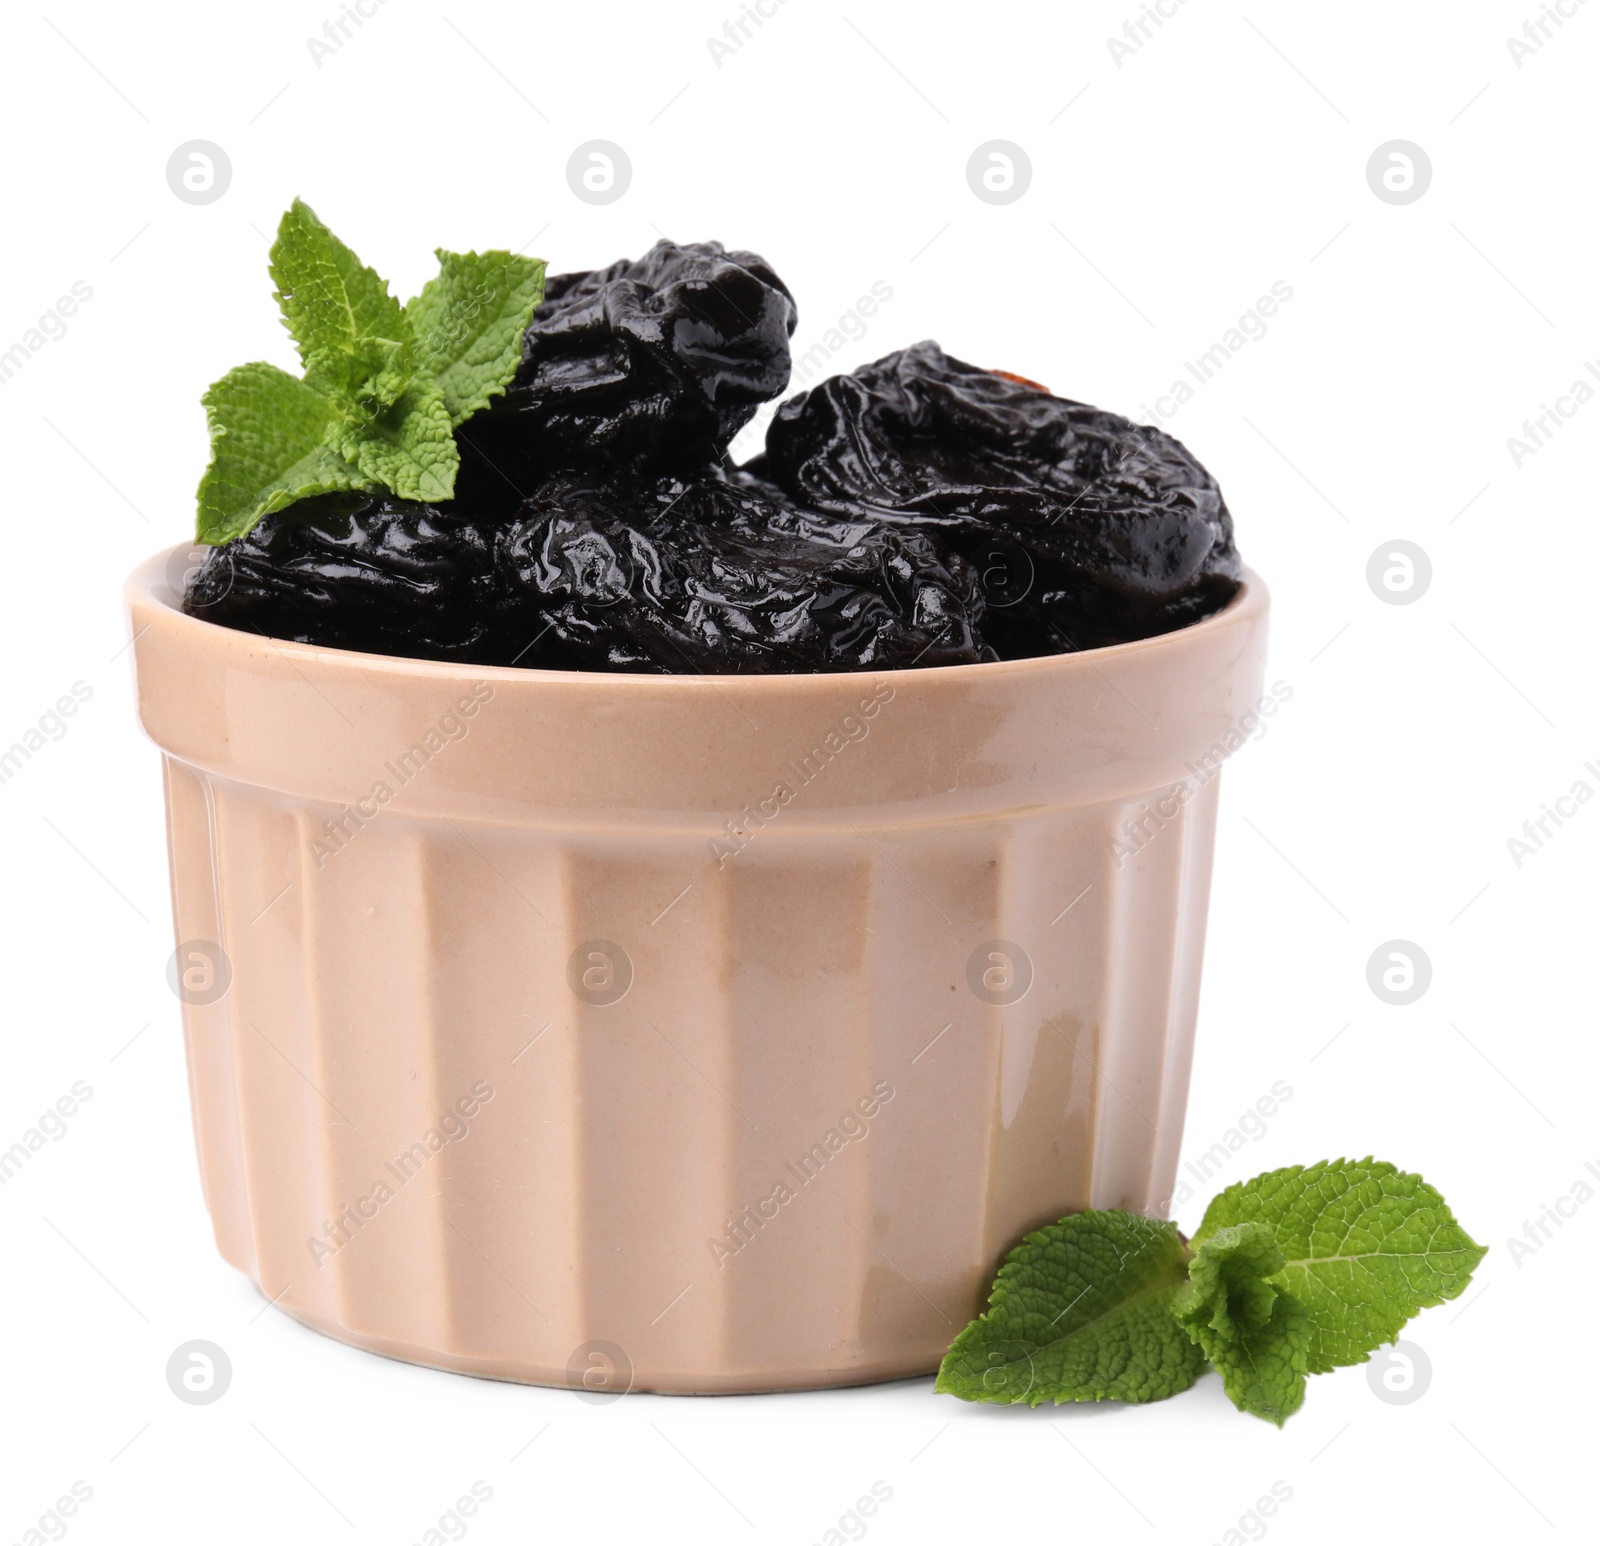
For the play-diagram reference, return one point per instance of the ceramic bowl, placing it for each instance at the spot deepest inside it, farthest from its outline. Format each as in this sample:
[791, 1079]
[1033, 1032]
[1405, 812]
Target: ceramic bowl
[679, 1033]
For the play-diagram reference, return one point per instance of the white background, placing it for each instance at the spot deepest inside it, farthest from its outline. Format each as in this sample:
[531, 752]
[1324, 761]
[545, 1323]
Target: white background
[1228, 152]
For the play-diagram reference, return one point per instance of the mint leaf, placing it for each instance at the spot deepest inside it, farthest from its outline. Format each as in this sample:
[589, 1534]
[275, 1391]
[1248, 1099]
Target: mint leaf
[1365, 1247]
[353, 336]
[1292, 1273]
[469, 321]
[1253, 1331]
[268, 449]
[1080, 1311]
[410, 449]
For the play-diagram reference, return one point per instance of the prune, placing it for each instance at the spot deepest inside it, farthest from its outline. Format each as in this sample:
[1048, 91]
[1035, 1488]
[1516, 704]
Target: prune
[717, 576]
[357, 572]
[654, 363]
[917, 512]
[1089, 529]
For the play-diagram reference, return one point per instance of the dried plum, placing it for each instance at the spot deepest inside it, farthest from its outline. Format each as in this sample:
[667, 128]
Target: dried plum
[916, 512]
[654, 363]
[358, 572]
[1089, 529]
[716, 576]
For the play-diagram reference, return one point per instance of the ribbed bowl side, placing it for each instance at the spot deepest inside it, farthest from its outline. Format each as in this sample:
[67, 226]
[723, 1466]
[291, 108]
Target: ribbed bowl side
[791, 1153]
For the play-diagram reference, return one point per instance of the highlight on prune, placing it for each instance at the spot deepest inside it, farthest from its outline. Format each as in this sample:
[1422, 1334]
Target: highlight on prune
[1109, 530]
[358, 572]
[713, 576]
[652, 363]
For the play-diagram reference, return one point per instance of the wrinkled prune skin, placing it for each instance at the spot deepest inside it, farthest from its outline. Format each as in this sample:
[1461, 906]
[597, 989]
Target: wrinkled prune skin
[713, 575]
[653, 364]
[1089, 529]
[707, 575]
[358, 572]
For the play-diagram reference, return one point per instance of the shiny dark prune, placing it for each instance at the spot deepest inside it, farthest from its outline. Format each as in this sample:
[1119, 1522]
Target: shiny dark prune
[654, 364]
[715, 576]
[357, 572]
[1089, 529]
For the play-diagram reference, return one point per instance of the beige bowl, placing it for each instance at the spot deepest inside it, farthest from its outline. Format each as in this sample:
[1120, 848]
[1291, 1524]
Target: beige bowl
[694, 1033]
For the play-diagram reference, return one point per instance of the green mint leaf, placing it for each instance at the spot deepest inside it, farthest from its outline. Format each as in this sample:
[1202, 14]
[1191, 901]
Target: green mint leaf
[354, 339]
[469, 321]
[409, 448]
[1365, 1246]
[1081, 1311]
[1253, 1331]
[268, 449]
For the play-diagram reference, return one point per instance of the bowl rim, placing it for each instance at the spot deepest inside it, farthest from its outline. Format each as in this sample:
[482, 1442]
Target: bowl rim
[148, 586]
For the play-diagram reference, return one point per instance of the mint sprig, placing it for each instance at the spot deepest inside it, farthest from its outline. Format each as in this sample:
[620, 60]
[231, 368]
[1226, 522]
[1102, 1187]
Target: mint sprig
[1296, 1272]
[384, 385]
